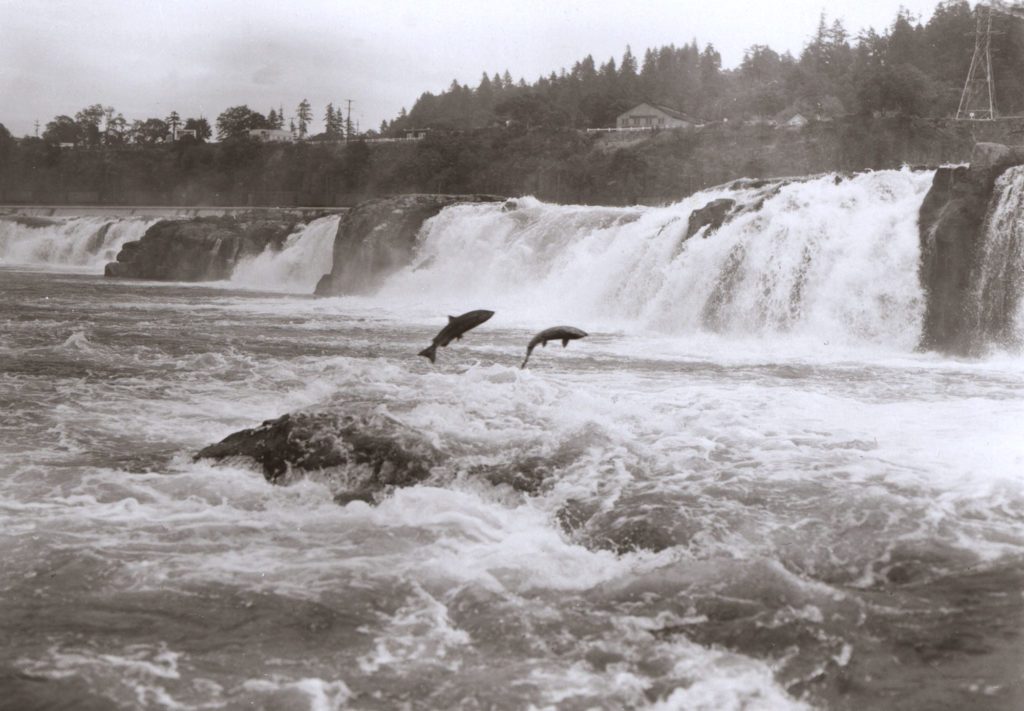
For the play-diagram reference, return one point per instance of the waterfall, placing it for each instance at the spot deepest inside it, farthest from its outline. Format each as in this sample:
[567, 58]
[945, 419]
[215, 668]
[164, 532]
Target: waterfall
[305, 256]
[997, 280]
[85, 243]
[826, 258]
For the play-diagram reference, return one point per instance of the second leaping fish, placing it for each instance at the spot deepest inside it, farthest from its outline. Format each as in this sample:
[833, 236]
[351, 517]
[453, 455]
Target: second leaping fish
[555, 333]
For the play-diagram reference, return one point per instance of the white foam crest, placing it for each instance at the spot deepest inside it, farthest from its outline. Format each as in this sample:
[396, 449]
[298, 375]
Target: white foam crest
[321, 695]
[1000, 282]
[74, 243]
[421, 629]
[139, 673]
[833, 259]
[305, 257]
[704, 679]
[724, 682]
[473, 539]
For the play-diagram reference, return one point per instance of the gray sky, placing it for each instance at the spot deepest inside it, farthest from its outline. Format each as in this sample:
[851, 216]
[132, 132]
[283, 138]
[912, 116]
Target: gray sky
[198, 57]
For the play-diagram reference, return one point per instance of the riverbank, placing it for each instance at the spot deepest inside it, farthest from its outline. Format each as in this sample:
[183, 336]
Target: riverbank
[560, 166]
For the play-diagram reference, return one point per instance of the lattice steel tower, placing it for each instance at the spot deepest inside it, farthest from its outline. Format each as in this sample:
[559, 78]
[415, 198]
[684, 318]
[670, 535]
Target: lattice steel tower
[978, 100]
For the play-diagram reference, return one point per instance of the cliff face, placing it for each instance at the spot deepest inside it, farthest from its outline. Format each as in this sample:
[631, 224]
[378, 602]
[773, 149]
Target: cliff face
[951, 223]
[378, 237]
[201, 249]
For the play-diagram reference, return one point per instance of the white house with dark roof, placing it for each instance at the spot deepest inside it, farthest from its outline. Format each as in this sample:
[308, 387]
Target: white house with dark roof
[652, 116]
[271, 135]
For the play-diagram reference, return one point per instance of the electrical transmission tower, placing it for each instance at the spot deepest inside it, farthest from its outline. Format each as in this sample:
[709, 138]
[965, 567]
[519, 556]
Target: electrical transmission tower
[978, 100]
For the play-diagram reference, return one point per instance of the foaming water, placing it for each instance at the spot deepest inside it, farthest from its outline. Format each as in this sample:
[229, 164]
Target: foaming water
[832, 259]
[681, 521]
[997, 309]
[295, 268]
[81, 243]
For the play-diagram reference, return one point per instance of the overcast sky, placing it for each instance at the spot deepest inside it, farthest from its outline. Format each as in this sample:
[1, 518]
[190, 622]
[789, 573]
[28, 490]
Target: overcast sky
[198, 57]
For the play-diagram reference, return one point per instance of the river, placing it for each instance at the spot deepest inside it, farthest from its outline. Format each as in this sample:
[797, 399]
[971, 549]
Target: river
[753, 492]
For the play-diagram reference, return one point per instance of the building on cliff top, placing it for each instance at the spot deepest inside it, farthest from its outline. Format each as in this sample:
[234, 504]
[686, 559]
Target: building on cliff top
[271, 135]
[650, 116]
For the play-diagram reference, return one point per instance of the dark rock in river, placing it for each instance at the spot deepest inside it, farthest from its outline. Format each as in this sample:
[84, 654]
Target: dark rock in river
[713, 215]
[200, 249]
[378, 237]
[360, 455]
[951, 223]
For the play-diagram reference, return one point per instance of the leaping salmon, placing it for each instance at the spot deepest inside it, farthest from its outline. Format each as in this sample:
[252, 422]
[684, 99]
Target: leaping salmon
[457, 325]
[556, 333]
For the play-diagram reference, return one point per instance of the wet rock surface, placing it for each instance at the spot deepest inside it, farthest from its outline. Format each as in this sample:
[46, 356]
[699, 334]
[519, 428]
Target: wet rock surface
[378, 237]
[951, 225]
[361, 455]
[200, 249]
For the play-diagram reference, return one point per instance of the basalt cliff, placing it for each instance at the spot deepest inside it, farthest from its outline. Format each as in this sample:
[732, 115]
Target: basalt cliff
[201, 248]
[967, 306]
[378, 237]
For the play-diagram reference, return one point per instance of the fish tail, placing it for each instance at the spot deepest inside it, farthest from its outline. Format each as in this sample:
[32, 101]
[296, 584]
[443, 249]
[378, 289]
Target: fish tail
[528, 352]
[429, 352]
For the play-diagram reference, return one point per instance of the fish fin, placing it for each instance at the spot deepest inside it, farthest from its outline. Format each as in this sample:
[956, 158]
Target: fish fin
[565, 342]
[429, 352]
[450, 318]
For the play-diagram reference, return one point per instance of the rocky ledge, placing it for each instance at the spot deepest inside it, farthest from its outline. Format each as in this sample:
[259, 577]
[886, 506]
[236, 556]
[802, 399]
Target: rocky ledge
[951, 225]
[378, 237]
[200, 249]
[361, 453]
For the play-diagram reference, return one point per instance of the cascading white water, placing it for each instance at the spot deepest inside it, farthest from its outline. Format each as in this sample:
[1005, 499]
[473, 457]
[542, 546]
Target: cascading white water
[297, 266]
[827, 258]
[999, 281]
[87, 243]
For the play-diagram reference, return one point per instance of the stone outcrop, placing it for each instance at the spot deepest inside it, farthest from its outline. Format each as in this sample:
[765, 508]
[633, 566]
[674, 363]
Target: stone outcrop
[200, 249]
[951, 222]
[713, 215]
[378, 237]
[360, 455]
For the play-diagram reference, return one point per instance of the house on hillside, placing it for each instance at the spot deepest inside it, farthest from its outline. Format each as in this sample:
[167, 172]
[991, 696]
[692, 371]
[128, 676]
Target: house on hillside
[651, 116]
[271, 135]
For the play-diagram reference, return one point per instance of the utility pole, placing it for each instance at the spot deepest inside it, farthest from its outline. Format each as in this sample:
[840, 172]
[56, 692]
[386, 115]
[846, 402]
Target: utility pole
[348, 120]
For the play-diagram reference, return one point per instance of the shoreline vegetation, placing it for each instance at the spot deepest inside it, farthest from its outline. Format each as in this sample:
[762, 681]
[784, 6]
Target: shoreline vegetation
[849, 102]
[554, 165]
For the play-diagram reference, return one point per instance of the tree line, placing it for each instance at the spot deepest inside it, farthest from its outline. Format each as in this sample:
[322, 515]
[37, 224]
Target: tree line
[912, 68]
[99, 126]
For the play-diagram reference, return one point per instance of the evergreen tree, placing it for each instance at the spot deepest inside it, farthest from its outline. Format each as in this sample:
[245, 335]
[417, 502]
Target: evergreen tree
[329, 121]
[173, 120]
[304, 114]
